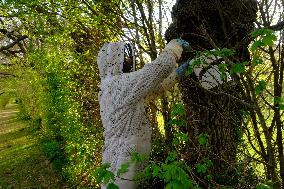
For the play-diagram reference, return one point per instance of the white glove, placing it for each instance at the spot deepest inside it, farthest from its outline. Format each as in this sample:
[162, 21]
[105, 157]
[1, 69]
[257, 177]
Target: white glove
[175, 47]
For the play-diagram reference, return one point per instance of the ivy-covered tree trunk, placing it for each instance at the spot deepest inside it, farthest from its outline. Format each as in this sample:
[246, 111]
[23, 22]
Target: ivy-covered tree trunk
[213, 116]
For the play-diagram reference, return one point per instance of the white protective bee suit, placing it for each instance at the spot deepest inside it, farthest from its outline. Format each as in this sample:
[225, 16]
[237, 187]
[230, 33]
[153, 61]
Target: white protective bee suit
[122, 109]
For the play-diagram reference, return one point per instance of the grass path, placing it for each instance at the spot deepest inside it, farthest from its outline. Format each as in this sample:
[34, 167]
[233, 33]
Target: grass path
[22, 164]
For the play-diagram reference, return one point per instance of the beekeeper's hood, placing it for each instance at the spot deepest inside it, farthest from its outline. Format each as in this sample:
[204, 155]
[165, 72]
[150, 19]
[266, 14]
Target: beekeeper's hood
[111, 57]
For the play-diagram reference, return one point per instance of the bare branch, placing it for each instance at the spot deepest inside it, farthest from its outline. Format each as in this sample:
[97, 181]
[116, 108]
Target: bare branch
[248, 135]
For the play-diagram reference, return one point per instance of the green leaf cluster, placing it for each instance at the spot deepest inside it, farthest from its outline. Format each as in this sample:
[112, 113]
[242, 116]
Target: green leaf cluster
[261, 86]
[178, 115]
[173, 173]
[238, 68]
[204, 166]
[262, 37]
[203, 139]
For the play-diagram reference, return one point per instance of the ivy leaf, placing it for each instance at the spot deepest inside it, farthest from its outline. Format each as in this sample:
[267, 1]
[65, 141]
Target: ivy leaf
[256, 61]
[108, 176]
[238, 68]
[208, 177]
[197, 61]
[167, 174]
[123, 169]
[112, 186]
[169, 186]
[223, 76]
[171, 157]
[177, 185]
[278, 100]
[263, 37]
[103, 175]
[269, 40]
[201, 168]
[225, 52]
[175, 141]
[202, 139]
[173, 122]
[254, 47]
[180, 138]
[156, 170]
[208, 162]
[260, 87]
[183, 137]
[281, 106]
[256, 33]
[184, 178]
[136, 157]
[178, 122]
[181, 123]
[263, 186]
[178, 109]
[262, 32]
[189, 71]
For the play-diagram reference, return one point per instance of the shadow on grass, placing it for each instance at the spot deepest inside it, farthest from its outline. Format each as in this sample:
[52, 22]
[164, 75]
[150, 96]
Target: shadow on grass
[22, 164]
[25, 167]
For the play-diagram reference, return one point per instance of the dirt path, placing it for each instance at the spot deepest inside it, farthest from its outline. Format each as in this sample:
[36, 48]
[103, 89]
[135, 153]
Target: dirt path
[22, 165]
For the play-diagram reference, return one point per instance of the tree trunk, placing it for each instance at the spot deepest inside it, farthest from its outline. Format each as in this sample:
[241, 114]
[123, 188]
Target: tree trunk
[213, 113]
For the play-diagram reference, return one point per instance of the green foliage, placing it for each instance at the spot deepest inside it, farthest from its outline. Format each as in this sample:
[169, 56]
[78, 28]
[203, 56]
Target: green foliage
[178, 110]
[204, 166]
[172, 171]
[219, 53]
[54, 152]
[177, 115]
[103, 175]
[262, 37]
[197, 62]
[175, 176]
[112, 186]
[256, 61]
[202, 139]
[123, 169]
[268, 185]
[180, 138]
[224, 52]
[177, 122]
[57, 85]
[278, 100]
[260, 87]
[135, 157]
[239, 68]
[57, 81]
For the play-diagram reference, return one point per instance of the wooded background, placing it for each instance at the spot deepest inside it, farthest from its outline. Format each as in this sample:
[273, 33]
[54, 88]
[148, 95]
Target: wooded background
[230, 136]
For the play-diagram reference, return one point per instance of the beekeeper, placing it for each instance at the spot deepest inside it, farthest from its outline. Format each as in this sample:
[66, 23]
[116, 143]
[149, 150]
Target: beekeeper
[123, 92]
